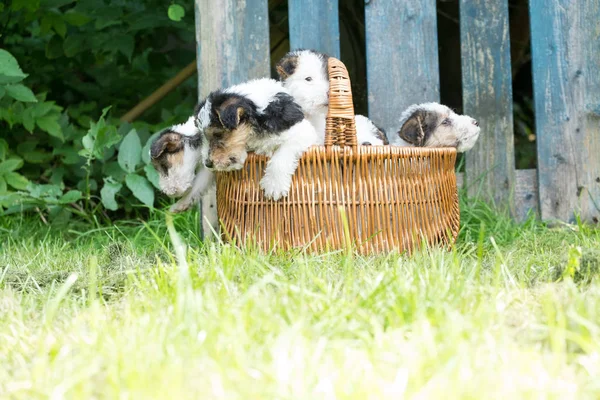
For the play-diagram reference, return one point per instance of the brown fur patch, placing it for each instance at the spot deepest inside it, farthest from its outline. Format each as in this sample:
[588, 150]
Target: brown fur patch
[231, 144]
[286, 66]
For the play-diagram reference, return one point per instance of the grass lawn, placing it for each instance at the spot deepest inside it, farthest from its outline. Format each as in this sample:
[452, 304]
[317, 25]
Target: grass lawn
[513, 311]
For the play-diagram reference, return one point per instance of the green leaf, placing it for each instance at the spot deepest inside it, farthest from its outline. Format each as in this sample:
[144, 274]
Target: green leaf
[141, 188]
[73, 44]
[50, 124]
[10, 165]
[108, 192]
[56, 3]
[176, 12]
[20, 93]
[146, 149]
[16, 180]
[3, 187]
[37, 156]
[54, 48]
[48, 191]
[130, 151]
[99, 137]
[3, 149]
[123, 44]
[10, 72]
[76, 18]
[31, 5]
[2, 92]
[70, 197]
[152, 175]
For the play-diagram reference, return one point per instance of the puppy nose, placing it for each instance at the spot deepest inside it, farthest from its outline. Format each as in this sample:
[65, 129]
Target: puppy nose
[233, 160]
[209, 164]
[475, 122]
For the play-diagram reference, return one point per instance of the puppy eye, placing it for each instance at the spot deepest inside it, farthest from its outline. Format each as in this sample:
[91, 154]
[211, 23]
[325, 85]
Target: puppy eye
[308, 79]
[447, 121]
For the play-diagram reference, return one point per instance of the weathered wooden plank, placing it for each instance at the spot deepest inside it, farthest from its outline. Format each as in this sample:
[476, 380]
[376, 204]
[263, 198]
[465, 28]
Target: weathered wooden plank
[402, 57]
[565, 42]
[314, 24]
[525, 193]
[487, 96]
[232, 42]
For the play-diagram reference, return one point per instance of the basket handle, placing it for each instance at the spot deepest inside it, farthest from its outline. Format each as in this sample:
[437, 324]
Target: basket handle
[340, 129]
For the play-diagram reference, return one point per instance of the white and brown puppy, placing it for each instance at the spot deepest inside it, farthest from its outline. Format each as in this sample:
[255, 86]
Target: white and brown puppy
[304, 73]
[257, 116]
[435, 125]
[176, 156]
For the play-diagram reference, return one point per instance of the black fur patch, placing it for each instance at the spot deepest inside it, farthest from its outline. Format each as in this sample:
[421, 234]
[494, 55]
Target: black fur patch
[281, 114]
[227, 105]
[381, 134]
[419, 127]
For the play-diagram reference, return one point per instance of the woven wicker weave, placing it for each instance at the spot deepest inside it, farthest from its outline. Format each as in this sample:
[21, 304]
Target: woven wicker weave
[392, 197]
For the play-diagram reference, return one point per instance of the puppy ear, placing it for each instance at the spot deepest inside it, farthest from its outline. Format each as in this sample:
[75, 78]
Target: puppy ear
[415, 129]
[286, 67]
[169, 142]
[230, 115]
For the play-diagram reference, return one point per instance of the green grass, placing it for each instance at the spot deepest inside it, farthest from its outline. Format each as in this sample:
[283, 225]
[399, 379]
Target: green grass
[513, 311]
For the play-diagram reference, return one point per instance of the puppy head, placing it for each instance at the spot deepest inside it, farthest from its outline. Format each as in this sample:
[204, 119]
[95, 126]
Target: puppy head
[226, 123]
[175, 154]
[435, 125]
[304, 74]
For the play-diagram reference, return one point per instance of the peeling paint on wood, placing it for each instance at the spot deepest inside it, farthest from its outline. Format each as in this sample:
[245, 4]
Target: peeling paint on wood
[232, 39]
[232, 42]
[487, 96]
[402, 57]
[565, 42]
[314, 24]
[525, 193]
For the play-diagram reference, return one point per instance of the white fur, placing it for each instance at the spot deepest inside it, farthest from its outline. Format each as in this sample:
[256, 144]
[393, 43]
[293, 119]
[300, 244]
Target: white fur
[204, 116]
[366, 131]
[462, 127]
[260, 91]
[202, 181]
[284, 157]
[313, 95]
[179, 178]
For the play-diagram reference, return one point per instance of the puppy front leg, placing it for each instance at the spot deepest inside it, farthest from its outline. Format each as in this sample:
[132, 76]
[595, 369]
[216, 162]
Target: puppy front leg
[282, 165]
[203, 180]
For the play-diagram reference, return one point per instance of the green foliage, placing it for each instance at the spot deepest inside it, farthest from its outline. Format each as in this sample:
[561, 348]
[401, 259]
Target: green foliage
[68, 70]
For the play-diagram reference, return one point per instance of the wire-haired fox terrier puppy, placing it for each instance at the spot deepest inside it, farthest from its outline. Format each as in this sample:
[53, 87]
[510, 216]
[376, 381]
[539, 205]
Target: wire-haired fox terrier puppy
[257, 116]
[304, 73]
[176, 156]
[435, 125]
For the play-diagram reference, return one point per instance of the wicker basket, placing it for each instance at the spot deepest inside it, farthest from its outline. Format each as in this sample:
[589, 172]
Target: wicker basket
[378, 198]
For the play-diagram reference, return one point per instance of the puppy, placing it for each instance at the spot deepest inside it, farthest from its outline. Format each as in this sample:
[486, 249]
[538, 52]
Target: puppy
[259, 116]
[435, 125]
[176, 156]
[304, 73]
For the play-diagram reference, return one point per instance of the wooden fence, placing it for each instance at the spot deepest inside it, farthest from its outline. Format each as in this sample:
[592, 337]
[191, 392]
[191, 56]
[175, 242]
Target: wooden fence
[403, 65]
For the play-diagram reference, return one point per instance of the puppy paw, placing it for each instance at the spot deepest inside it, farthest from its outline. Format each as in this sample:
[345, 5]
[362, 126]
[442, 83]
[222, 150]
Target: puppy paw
[273, 189]
[181, 206]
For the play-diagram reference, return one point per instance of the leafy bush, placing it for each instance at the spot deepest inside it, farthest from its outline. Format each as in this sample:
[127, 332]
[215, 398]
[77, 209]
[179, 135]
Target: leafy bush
[61, 151]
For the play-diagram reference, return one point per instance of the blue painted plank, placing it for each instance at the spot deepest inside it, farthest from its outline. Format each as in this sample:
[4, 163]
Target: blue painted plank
[565, 42]
[402, 57]
[314, 24]
[487, 96]
[232, 39]
[232, 42]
